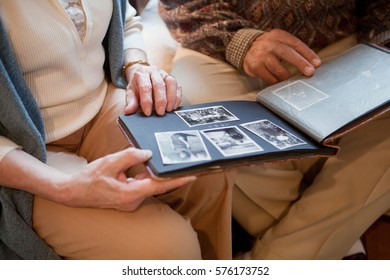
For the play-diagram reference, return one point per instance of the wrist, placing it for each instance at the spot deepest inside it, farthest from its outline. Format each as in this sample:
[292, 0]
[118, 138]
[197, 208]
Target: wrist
[58, 187]
[239, 46]
[131, 63]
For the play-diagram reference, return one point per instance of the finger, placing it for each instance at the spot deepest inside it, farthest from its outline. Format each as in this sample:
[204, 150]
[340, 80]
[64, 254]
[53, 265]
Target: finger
[290, 55]
[179, 94]
[261, 71]
[122, 177]
[298, 54]
[159, 91]
[144, 88]
[125, 159]
[142, 175]
[275, 67]
[131, 101]
[306, 52]
[172, 93]
[150, 187]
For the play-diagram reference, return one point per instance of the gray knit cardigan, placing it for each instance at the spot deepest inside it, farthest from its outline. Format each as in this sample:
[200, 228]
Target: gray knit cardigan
[21, 122]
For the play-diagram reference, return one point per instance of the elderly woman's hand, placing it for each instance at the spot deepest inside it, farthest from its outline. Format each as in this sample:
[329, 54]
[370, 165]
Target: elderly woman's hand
[151, 88]
[103, 183]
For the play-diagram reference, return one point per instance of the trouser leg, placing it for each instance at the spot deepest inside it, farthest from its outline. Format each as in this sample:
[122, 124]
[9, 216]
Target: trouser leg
[262, 194]
[205, 79]
[349, 194]
[206, 203]
[153, 231]
[102, 135]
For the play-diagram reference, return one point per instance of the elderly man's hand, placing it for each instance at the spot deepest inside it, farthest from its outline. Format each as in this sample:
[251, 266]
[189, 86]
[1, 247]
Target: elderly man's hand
[264, 57]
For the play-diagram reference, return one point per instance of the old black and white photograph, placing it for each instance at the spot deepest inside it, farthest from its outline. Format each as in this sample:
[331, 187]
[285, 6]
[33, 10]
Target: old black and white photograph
[206, 115]
[273, 134]
[231, 141]
[181, 146]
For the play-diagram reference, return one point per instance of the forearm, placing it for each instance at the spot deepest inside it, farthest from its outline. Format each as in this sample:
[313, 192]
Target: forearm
[134, 49]
[21, 171]
[100, 184]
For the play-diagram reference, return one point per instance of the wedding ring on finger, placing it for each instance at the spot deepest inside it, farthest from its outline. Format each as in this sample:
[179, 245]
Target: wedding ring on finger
[166, 75]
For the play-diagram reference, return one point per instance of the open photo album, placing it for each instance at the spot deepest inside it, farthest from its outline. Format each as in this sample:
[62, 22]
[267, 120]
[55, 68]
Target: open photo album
[301, 117]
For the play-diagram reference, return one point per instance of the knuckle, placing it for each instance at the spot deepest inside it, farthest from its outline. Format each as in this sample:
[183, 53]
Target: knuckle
[159, 86]
[145, 87]
[108, 161]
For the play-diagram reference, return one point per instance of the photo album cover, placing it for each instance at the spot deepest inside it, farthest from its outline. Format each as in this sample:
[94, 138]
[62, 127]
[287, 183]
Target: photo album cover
[301, 117]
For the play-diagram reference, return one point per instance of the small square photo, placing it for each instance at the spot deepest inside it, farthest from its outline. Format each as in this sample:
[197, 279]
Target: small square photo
[273, 134]
[181, 146]
[231, 141]
[206, 115]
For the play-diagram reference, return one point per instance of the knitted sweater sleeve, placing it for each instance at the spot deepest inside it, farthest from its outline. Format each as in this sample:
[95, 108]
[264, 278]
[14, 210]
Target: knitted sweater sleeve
[132, 29]
[373, 21]
[215, 28]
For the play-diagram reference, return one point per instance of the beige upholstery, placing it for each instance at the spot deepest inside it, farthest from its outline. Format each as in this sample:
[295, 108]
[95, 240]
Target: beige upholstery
[160, 46]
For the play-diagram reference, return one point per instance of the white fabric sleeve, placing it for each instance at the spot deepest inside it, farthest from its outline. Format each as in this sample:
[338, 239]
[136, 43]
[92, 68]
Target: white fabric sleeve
[6, 146]
[133, 30]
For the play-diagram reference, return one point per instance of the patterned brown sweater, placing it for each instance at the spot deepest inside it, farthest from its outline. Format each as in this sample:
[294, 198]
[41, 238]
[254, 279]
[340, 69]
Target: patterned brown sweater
[225, 29]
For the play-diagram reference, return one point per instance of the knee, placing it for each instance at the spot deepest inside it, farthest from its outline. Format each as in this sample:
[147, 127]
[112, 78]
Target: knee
[178, 242]
[167, 236]
[153, 232]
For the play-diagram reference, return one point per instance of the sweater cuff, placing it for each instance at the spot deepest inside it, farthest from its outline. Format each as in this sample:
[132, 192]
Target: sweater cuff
[6, 146]
[382, 38]
[239, 45]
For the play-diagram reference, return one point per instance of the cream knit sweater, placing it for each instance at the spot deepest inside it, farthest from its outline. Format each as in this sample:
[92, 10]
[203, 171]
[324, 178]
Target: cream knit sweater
[63, 71]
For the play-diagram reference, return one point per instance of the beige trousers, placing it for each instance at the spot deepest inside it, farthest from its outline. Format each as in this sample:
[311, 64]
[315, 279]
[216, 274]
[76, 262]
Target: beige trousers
[192, 222]
[351, 191]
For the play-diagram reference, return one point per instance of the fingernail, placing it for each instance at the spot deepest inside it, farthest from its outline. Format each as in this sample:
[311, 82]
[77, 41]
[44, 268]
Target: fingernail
[316, 62]
[147, 153]
[147, 112]
[308, 71]
[161, 110]
[191, 179]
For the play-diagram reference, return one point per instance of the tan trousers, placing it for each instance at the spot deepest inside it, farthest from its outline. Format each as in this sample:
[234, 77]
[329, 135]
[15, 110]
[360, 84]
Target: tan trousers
[349, 194]
[191, 222]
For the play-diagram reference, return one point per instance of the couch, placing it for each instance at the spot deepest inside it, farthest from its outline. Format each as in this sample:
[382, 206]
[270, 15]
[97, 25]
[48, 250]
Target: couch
[160, 45]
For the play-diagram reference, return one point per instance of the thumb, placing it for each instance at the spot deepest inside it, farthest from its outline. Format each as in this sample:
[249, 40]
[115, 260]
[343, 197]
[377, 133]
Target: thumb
[129, 157]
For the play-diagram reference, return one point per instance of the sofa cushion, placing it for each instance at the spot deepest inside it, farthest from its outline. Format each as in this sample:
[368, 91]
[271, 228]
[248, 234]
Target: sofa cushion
[160, 46]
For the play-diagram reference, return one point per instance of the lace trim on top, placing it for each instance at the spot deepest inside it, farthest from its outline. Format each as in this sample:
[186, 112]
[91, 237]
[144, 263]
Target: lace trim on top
[74, 8]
